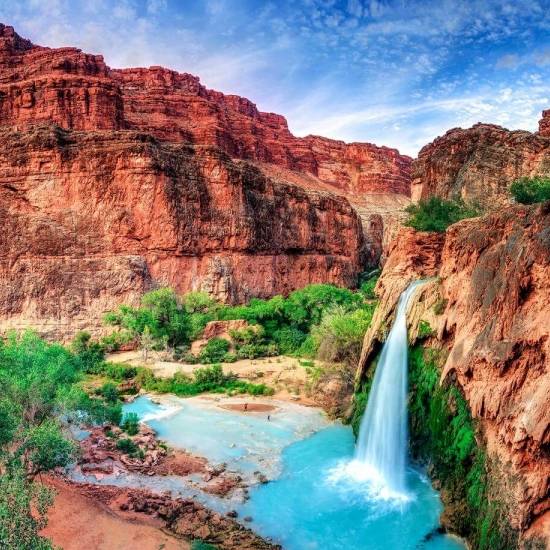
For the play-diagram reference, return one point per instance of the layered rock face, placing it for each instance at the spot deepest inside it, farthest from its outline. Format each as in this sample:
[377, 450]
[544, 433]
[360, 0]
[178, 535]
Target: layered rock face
[480, 163]
[544, 124]
[494, 279]
[94, 219]
[114, 181]
[78, 91]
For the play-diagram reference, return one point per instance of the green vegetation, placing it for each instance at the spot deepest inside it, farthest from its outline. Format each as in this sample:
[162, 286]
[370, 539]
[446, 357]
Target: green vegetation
[339, 336]
[201, 545]
[440, 305]
[214, 351]
[444, 434]
[436, 214]
[130, 423]
[278, 325]
[40, 385]
[367, 284]
[127, 446]
[531, 190]
[424, 330]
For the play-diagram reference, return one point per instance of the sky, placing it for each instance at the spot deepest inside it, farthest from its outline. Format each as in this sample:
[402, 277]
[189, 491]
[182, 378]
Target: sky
[391, 72]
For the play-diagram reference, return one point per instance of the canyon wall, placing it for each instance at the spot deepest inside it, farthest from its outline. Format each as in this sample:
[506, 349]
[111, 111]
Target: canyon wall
[480, 163]
[78, 91]
[92, 220]
[115, 181]
[488, 308]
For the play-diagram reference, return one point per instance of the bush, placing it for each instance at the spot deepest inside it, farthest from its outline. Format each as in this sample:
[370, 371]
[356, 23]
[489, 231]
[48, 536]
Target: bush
[366, 288]
[424, 330]
[209, 377]
[201, 545]
[130, 423]
[109, 392]
[339, 336]
[214, 351]
[440, 306]
[531, 190]
[127, 446]
[436, 214]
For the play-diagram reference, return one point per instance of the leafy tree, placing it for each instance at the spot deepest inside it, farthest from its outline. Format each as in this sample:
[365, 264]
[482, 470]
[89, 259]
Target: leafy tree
[531, 190]
[339, 336]
[109, 392]
[161, 318]
[214, 351]
[23, 508]
[436, 214]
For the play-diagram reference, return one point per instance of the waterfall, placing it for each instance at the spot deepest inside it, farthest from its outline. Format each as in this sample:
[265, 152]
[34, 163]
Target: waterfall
[381, 451]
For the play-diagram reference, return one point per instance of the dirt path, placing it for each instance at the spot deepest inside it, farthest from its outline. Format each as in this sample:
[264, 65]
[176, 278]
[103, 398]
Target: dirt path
[76, 522]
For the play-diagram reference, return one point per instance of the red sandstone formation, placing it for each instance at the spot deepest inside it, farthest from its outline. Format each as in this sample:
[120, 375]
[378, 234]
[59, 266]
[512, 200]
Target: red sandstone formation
[494, 284]
[113, 181]
[93, 219]
[480, 163]
[544, 123]
[78, 91]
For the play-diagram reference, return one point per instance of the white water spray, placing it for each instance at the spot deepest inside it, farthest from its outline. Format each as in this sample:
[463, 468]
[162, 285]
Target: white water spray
[381, 453]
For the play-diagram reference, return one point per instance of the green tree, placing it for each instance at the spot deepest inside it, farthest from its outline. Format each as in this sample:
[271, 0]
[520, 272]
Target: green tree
[531, 190]
[23, 508]
[436, 214]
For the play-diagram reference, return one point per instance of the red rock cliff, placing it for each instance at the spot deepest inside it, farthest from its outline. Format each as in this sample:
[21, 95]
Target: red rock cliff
[494, 279]
[78, 91]
[113, 181]
[92, 219]
[480, 163]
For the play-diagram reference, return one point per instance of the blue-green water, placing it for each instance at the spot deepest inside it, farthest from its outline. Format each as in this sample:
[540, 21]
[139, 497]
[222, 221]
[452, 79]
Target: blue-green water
[312, 502]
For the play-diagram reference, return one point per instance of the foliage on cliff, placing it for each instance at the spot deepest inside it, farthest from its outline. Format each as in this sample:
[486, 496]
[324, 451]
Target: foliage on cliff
[436, 214]
[531, 190]
[443, 434]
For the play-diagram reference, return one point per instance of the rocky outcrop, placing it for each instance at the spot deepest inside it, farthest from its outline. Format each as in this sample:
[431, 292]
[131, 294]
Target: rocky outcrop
[182, 517]
[480, 163]
[78, 91]
[116, 181]
[93, 219]
[489, 310]
[544, 123]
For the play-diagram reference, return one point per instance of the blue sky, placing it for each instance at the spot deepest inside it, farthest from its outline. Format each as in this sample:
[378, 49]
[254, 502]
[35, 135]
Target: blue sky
[396, 73]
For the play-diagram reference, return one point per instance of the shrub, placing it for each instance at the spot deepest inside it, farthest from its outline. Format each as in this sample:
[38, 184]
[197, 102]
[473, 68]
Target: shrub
[424, 329]
[339, 336]
[436, 214]
[209, 377]
[214, 351]
[130, 423]
[440, 305]
[531, 190]
[109, 392]
[366, 288]
[289, 339]
[229, 357]
[201, 545]
[127, 446]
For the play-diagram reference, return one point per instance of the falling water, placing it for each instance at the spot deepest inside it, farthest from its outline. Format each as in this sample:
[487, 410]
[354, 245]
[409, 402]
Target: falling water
[382, 445]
